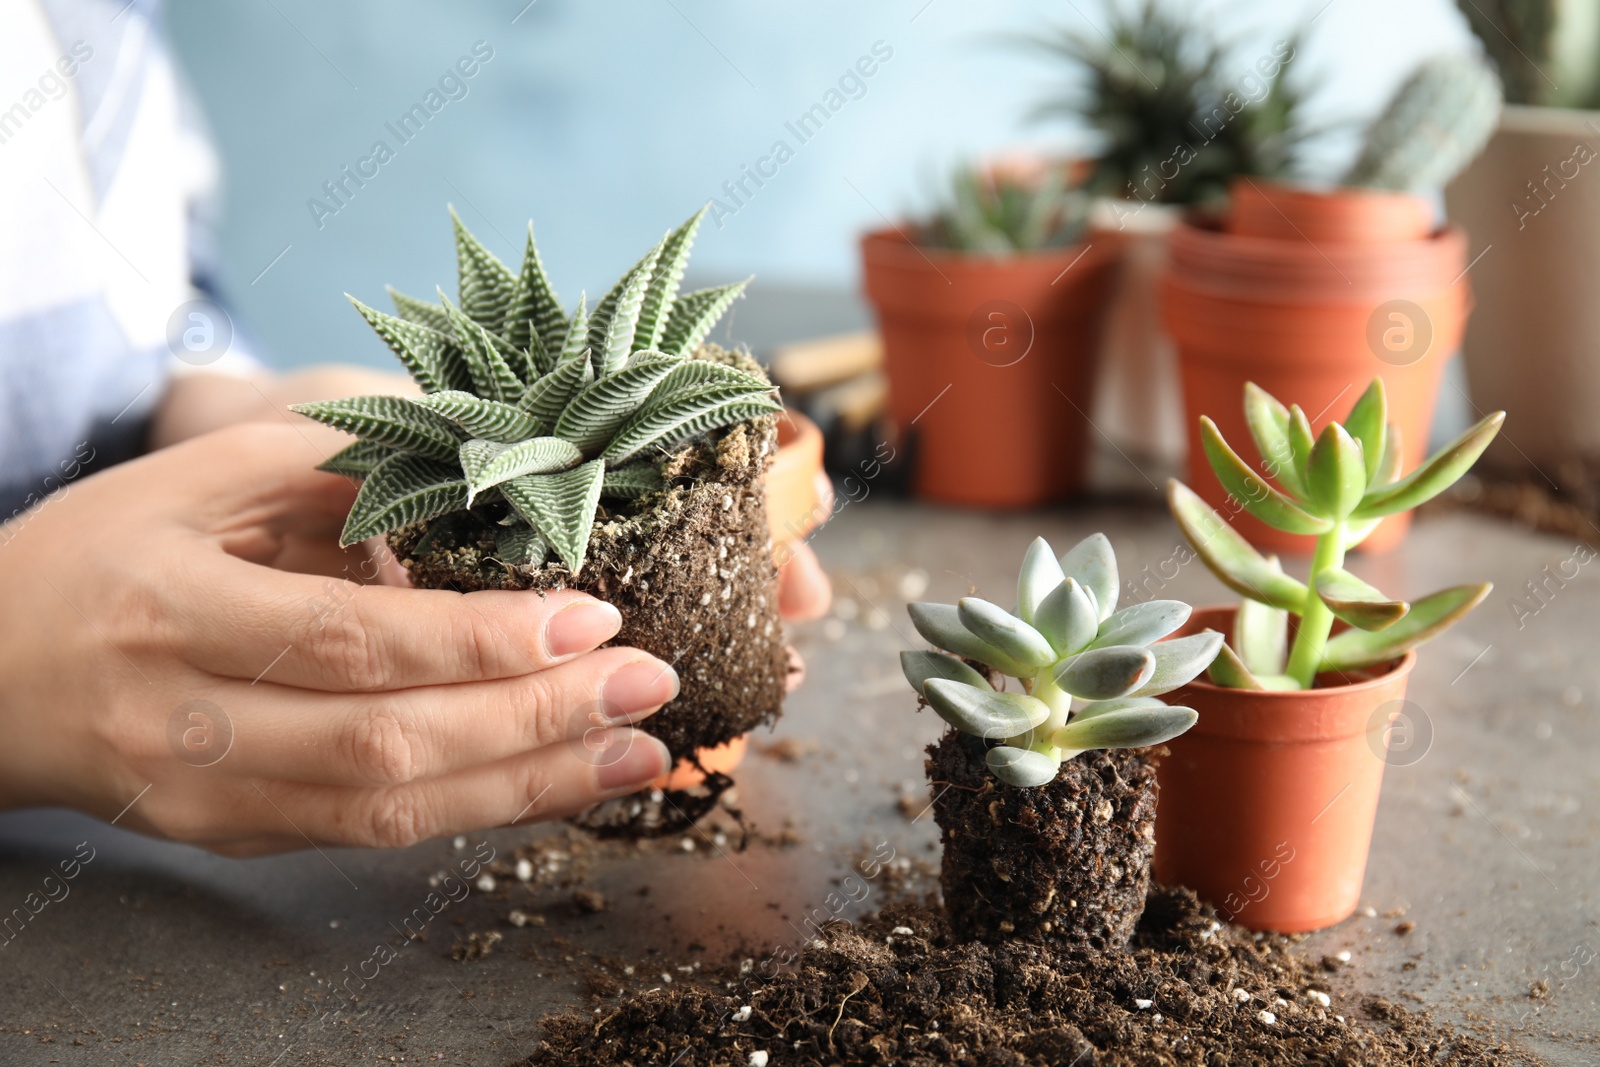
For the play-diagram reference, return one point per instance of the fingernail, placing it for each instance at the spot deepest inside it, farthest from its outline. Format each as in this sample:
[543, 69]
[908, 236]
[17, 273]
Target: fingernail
[631, 761]
[580, 626]
[638, 688]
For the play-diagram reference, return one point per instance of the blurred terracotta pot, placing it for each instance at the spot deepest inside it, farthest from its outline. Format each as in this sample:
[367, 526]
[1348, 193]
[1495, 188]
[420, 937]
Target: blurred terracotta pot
[1268, 802]
[1259, 208]
[991, 364]
[795, 507]
[1311, 323]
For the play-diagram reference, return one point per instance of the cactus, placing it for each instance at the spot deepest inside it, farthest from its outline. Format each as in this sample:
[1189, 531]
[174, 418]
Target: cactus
[1002, 210]
[1065, 642]
[1437, 121]
[1547, 51]
[1337, 485]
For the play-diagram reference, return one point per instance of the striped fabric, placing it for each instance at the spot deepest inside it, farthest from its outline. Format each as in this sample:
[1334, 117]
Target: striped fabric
[105, 175]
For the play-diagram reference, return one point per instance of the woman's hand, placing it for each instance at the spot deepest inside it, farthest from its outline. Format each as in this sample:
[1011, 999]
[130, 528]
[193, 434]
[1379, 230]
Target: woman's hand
[157, 667]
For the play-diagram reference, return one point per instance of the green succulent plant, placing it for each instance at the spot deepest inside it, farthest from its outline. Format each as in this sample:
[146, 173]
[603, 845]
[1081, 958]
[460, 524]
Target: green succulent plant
[531, 414]
[1336, 485]
[1547, 51]
[1066, 642]
[997, 212]
[1435, 123]
[1157, 87]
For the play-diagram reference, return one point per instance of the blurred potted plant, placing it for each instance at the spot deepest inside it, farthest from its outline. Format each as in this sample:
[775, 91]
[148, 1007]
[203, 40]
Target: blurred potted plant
[1177, 119]
[1269, 801]
[1531, 207]
[1046, 805]
[989, 313]
[1308, 291]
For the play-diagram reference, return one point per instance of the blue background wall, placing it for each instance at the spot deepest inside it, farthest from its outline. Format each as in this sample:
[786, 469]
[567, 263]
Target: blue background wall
[609, 121]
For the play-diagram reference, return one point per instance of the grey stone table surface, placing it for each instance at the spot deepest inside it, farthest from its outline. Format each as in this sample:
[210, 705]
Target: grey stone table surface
[161, 954]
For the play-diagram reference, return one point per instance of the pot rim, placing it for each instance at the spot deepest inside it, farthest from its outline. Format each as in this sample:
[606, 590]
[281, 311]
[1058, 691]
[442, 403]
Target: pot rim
[795, 464]
[895, 236]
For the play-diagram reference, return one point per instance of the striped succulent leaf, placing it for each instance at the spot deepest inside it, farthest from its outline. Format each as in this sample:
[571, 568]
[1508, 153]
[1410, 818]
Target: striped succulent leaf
[485, 284]
[694, 315]
[534, 318]
[532, 413]
[492, 376]
[683, 416]
[429, 354]
[403, 489]
[561, 507]
[357, 460]
[419, 311]
[488, 463]
[668, 275]
[389, 420]
[521, 546]
[631, 482]
[488, 419]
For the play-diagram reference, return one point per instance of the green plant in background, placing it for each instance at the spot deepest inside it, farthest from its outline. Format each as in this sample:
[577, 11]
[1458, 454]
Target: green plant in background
[1337, 485]
[1001, 211]
[1157, 88]
[1434, 124]
[1547, 51]
[532, 417]
[1065, 642]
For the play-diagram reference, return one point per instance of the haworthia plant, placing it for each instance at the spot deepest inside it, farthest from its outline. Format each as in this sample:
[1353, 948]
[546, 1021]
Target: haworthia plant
[540, 413]
[1336, 485]
[1065, 642]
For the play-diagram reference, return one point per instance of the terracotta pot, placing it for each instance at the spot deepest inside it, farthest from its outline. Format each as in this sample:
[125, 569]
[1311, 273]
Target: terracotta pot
[1260, 208]
[1267, 803]
[1311, 324]
[795, 504]
[991, 365]
[723, 759]
[795, 507]
[1532, 204]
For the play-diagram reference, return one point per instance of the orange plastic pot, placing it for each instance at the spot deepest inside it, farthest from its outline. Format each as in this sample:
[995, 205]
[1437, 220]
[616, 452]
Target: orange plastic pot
[1311, 323]
[1260, 208]
[1268, 802]
[795, 507]
[991, 365]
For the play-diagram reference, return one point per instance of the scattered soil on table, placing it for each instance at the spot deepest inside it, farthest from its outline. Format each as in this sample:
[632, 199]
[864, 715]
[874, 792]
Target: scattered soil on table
[898, 989]
[1066, 862]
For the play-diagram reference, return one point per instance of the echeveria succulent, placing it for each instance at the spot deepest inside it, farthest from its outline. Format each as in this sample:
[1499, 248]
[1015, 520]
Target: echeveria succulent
[1336, 485]
[531, 412]
[1066, 642]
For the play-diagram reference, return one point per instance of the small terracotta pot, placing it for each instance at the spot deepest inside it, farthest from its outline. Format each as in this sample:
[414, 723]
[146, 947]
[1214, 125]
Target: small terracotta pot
[1260, 208]
[991, 365]
[1311, 323]
[795, 504]
[795, 507]
[1267, 803]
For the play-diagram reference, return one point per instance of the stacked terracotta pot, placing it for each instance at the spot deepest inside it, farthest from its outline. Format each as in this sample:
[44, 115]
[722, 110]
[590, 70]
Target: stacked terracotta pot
[1310, 295]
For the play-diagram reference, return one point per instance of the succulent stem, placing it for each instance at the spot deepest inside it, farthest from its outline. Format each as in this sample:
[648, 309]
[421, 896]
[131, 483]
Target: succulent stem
[1316, 620]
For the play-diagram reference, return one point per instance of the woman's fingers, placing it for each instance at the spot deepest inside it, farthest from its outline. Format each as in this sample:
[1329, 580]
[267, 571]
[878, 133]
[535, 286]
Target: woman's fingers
[549, 783]
[386, 739]
[335, 636]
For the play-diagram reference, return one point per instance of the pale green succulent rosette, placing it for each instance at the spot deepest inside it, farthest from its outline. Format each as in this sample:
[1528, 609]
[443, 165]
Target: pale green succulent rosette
[1090, 675]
